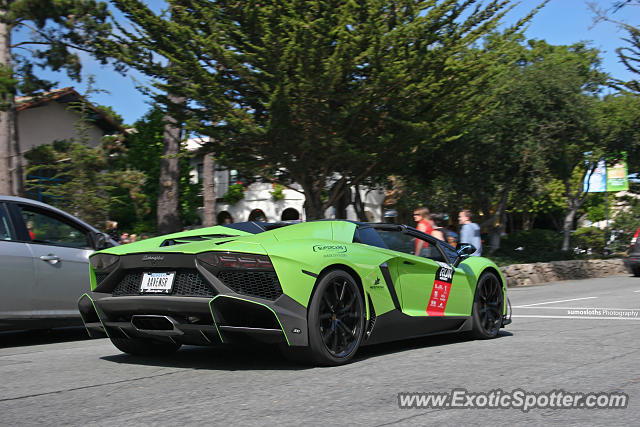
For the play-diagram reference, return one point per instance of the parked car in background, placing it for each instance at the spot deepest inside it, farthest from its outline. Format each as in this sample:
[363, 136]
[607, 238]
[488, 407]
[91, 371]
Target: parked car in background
[44, 264]
[633, 260]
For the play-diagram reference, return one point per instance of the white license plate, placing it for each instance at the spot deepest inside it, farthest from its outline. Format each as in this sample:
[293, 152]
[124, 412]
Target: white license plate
[157, 282]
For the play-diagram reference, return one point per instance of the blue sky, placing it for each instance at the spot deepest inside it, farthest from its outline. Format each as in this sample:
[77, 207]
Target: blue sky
[570, 21]
[560, 22]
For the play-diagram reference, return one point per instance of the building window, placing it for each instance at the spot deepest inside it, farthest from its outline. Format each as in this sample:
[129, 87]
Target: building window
[290, 214]
[200, 169]
[257, 215]
[224, 217]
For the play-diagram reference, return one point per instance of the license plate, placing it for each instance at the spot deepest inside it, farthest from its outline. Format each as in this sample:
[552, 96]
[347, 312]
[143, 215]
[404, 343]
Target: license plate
[157, 282]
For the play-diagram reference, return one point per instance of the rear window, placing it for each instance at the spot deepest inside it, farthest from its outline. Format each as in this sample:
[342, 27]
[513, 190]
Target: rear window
[247, 227]
[398, 241]
[369, 236]
[254, 227]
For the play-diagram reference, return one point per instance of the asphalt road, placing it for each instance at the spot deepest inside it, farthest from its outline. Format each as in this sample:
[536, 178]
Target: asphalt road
[61, 378]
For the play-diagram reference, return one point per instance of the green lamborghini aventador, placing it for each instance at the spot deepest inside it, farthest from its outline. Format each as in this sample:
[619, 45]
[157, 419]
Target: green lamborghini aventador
[320, 289]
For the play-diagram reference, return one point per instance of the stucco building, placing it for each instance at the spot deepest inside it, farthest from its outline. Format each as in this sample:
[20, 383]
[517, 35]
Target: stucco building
[259, 204]
[49, 117]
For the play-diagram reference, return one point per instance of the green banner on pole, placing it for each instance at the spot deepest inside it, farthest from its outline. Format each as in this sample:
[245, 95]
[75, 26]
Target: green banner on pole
[617, 177]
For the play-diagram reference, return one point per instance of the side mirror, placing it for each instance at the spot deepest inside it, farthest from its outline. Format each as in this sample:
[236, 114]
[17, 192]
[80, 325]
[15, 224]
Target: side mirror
[464, 251]
[100, 241]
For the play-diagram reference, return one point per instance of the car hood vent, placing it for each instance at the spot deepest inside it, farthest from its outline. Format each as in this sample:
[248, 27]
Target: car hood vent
[191, 239]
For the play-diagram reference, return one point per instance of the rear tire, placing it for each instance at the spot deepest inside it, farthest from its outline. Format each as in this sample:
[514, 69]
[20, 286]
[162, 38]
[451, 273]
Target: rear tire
[335, 319]
[145, 347]
[636, 271]
[488, 305]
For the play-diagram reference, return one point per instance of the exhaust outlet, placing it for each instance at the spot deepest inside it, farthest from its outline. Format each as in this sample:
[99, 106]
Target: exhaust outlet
[155, 324]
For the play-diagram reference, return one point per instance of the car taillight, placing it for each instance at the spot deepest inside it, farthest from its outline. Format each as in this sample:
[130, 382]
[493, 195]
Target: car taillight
[102, 261]
[634, 239]
[235, 260]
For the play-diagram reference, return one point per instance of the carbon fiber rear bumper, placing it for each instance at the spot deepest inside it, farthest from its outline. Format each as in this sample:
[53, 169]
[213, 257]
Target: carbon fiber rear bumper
[216, 313]
[223, 319]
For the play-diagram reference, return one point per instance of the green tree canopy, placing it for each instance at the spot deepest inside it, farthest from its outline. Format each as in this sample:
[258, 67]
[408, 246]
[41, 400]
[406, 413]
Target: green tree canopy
[539, 122]
[135, 208]
[36, 34]
[323, 93]
[630, 53]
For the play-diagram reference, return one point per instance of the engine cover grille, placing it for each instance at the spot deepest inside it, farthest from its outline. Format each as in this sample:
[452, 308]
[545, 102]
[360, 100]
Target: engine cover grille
[100, 277]
[261, 284]
[186, 283]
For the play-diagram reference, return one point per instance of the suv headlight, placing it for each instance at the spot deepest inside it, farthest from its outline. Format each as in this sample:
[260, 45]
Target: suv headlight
[102, 261]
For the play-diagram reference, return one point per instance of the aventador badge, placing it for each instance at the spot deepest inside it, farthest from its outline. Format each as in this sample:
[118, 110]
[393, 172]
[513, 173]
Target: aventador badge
[153, 258]
[440, 291]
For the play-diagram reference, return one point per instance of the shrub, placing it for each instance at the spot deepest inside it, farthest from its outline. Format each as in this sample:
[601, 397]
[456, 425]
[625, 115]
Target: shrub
[589, 239]
[531, 246]
[624, 227]
[535, 240]
[278, 192]
[234, 194]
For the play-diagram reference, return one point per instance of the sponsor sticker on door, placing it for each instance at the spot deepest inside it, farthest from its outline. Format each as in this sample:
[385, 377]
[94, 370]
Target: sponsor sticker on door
[440, 291]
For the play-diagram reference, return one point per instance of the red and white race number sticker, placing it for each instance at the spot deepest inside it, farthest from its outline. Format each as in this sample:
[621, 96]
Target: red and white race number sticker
[440, 291]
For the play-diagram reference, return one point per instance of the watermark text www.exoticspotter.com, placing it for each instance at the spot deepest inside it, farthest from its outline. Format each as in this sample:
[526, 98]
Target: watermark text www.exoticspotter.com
[515, 399]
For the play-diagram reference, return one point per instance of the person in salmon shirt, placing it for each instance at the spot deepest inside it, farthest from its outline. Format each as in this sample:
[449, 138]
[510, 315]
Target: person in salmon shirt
[422, 217]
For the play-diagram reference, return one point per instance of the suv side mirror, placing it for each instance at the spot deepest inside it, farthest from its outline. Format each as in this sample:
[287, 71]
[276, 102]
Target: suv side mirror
[100, 241]
[464, 251]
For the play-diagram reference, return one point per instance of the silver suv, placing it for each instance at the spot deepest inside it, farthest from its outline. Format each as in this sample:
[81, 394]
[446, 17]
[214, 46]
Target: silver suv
[43, 264]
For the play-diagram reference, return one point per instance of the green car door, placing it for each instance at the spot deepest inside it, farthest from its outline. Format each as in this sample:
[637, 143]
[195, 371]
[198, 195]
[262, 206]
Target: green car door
[428, 284]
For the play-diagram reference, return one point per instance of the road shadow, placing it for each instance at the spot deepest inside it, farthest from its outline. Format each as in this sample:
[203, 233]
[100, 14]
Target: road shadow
[226, 358]
[262, 357]
[42, 336]
[384, 349]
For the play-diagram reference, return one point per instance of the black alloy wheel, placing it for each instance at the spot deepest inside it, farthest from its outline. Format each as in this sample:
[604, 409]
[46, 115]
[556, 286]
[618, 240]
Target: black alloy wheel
[336, 319]
[488, 307]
